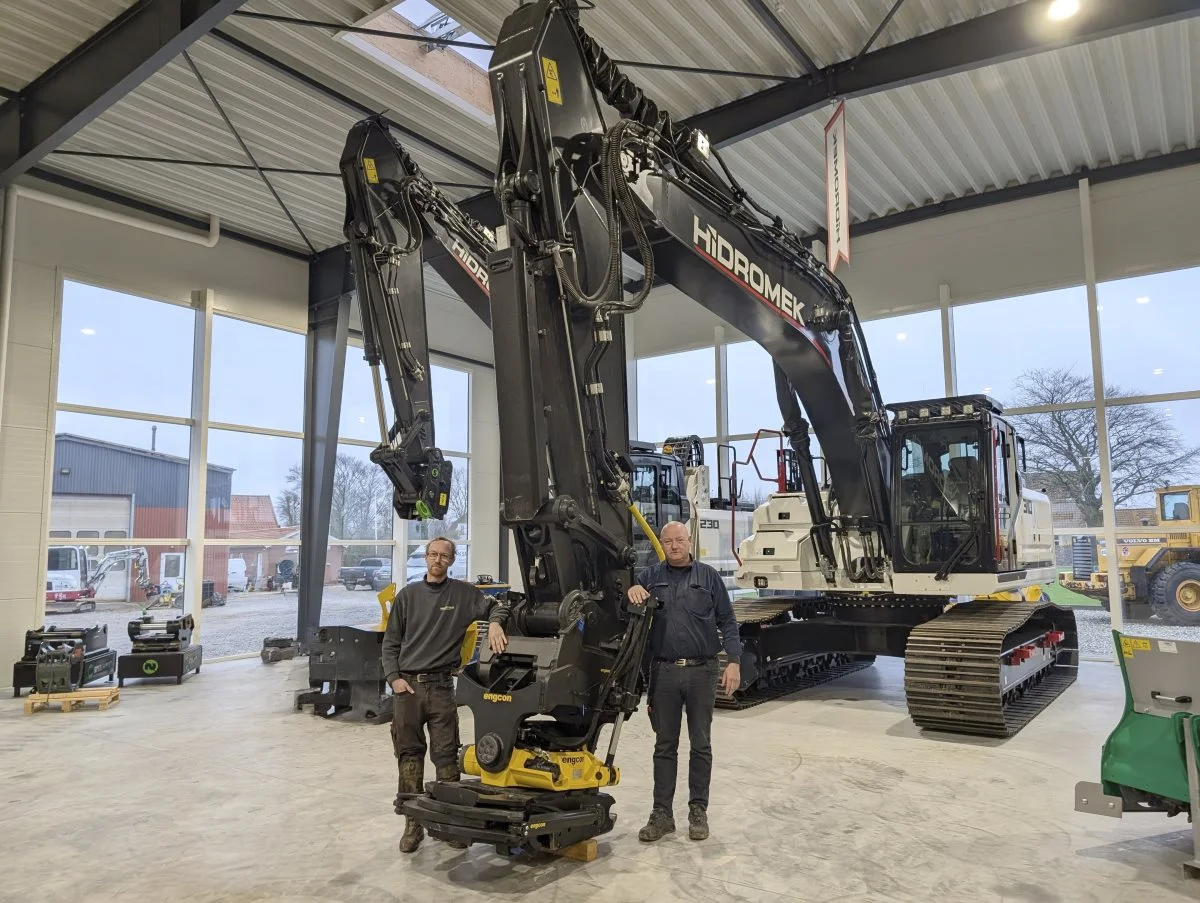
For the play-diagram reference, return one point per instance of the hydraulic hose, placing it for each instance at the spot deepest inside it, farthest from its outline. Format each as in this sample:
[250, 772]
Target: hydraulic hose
[637, 516]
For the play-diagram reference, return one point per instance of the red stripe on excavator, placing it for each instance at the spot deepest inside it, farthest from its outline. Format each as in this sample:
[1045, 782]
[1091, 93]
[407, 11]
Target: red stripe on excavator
[462, 263]
[765, 300]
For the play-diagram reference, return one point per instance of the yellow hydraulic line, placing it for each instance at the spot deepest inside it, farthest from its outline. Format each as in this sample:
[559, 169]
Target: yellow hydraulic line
[637, 516]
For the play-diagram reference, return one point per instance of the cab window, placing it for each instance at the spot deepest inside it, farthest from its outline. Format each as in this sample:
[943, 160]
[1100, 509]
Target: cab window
[1175, 506]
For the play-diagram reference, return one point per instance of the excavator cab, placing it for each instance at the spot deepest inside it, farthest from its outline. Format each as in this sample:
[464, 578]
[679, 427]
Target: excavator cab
[659, 492]
[956, 477]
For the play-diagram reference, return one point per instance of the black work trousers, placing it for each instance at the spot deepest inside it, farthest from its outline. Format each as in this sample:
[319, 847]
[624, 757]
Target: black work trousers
[674, 690]
[432, 705]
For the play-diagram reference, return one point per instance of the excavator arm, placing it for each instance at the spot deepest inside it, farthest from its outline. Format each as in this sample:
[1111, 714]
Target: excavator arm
[589, 168]
[391, 208]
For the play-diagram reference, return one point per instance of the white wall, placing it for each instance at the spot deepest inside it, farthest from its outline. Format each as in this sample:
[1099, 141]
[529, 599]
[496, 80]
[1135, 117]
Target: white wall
[1143, 224]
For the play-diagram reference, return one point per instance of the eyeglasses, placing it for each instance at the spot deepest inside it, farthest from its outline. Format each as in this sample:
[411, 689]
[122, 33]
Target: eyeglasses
[439, 556]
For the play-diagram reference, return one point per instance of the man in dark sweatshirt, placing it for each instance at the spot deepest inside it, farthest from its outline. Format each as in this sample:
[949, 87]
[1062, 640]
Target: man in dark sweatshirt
[684, 673]
[421, 651]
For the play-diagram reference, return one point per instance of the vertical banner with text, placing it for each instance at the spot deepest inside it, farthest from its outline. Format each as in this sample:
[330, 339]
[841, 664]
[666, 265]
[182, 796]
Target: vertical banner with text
[837, 198]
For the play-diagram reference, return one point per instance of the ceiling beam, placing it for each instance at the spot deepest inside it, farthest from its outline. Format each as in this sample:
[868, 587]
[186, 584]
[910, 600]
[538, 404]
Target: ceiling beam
[97, 74]
[1007, 34]
[772, 24]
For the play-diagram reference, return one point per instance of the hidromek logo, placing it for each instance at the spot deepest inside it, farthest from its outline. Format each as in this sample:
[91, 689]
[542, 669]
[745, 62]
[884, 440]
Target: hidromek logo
[719, 250]
[474, 268]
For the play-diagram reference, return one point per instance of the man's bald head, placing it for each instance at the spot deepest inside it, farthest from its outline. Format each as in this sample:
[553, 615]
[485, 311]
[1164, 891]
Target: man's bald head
[676, 542]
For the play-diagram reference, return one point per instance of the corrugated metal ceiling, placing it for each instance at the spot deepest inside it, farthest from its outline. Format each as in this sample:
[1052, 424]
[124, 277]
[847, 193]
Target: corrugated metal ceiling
[332, 61]
[1119, 99]
[1002, 125]
[835, 30]
[36, 34]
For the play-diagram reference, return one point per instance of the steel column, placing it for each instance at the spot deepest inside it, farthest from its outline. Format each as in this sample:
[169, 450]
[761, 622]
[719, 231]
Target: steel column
[330, 289]
[97, 74]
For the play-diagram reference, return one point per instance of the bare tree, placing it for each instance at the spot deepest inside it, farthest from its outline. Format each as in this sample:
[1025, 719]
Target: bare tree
[287, 504]
[1145, 450]
[361, 503]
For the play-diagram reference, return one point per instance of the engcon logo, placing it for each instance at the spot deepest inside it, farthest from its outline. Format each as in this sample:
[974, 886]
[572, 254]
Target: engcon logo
[722, 253]
[497, 697]
[474, 268]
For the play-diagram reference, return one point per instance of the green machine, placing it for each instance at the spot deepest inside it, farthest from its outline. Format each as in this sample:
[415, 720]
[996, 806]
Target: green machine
[1148, 763]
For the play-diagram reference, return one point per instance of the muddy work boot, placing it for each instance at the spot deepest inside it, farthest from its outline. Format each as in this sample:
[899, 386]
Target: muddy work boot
[697, 822]
[451, 773]
[659, 825]
[412, 772]
[412, 836]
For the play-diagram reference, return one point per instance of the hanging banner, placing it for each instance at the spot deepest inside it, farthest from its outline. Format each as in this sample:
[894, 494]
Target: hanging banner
[837, 198]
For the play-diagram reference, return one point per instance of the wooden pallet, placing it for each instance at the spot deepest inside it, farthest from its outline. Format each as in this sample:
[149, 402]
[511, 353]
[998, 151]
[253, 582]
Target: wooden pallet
[68, 702]
[584, 851]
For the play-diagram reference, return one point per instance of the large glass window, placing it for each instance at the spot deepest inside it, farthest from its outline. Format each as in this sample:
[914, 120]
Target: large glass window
[1148, 326]
[362, 496]
[1155, 450]
[253, 486]
[1029, 350]
[1062, 459]
[116, 474]
[126, 352]
[451, 408]
[257, 375]
[451, 403]
[906, 352]
[677, 395]
[753, 405]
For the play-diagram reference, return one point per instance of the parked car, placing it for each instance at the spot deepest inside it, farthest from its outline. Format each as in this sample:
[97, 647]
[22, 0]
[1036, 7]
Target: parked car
[363, 573]
[382, 577]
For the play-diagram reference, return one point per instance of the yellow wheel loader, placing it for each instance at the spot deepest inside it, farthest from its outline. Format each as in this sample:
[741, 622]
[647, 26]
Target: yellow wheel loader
[1160, 570]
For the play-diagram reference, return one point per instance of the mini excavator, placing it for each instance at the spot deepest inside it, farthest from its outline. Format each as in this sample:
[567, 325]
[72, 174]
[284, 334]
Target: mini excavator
[922, 510]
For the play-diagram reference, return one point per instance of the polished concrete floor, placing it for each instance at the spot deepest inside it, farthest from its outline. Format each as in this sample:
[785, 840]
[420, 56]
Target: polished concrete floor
[217, 791]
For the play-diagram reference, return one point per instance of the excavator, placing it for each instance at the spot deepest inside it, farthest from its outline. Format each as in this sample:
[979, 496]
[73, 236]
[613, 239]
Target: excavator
[68, 578]
[926, 542]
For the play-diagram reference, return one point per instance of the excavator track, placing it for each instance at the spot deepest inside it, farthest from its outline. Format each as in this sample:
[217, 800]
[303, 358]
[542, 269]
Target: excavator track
[816, 669]
[787, 674]
[988, 667]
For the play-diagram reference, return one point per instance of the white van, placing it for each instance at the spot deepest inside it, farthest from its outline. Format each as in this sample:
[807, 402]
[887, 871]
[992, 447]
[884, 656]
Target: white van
[236, 576]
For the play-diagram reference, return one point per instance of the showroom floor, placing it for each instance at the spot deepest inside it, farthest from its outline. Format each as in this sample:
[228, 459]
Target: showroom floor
[216, 790]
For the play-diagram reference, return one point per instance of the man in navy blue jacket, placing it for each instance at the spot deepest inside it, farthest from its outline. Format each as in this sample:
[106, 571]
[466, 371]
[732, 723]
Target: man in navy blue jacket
[684, 673]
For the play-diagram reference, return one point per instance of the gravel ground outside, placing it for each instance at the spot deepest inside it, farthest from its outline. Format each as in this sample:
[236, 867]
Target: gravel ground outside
[240, 625]
[1095, 632]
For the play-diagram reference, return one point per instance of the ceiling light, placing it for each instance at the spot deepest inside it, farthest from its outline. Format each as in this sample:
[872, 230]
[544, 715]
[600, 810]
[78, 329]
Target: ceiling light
[987, 388]
[710, 382]
[362, 419]
[1062, 9]
[1158, 371]
[1143, 300]
[901, 336]
[87, 330]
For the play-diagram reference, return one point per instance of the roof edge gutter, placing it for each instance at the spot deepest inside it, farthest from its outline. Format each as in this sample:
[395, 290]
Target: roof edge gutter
[54, 200]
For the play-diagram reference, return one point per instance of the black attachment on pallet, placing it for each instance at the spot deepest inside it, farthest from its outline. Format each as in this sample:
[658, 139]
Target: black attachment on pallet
[91, 658]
